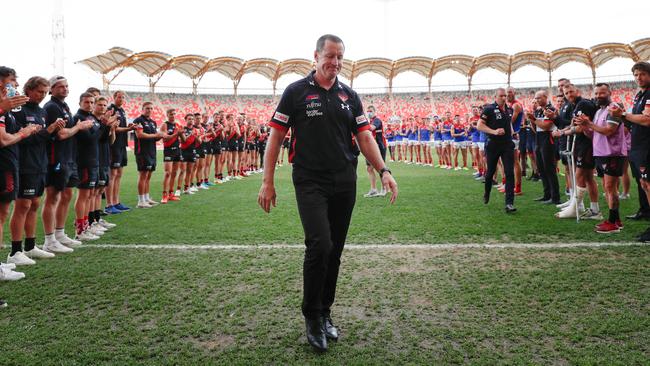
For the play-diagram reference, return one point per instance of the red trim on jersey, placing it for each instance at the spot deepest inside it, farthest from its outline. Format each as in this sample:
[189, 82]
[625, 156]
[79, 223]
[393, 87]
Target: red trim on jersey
[364, 128]
[278, 126]
[292, 152]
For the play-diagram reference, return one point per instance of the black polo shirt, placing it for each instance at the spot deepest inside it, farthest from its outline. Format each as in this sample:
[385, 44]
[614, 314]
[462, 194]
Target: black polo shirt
[121, 138]
[495, 117]
[33, 149]
[322, 123]
[88, 141]
[104, 143]
[145, 147]
[60, 151]
[640, 134]
[564, 115]
[586, 107]
[9, 154]
[379, 131]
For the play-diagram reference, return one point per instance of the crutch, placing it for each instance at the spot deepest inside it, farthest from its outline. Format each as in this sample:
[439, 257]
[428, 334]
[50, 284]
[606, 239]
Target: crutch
[572, 166]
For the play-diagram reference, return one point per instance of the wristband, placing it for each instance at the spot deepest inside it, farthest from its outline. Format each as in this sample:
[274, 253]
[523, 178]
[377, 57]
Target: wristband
[384, 170]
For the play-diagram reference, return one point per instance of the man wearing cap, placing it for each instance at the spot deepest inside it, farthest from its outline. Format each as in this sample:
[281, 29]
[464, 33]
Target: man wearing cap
[62, 166]
[323, 115]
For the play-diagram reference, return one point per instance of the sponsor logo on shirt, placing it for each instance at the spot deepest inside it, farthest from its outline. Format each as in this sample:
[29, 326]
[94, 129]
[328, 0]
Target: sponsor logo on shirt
[343, 97]
[361, 119]
[281, 117]
[312, 109]
[312, 97]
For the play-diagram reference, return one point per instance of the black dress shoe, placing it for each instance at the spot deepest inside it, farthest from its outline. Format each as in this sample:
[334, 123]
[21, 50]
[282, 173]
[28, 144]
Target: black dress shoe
[510, 209]
[486, 198]
[540, 199]
[638, 216]
[330, 330]
[316, 334]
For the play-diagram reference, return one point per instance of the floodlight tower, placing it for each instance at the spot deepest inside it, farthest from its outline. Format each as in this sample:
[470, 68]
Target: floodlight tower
[58, 37]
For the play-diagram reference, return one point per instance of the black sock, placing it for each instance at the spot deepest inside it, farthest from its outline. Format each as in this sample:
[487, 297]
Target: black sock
[613, 215]
[98, 215]
[16, 246]
[30, 243]
[90, 218]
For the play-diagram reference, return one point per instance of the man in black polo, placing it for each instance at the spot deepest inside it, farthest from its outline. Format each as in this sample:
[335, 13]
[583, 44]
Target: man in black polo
[118, 155]
[639, 122]
[322, 114]
[495, 121]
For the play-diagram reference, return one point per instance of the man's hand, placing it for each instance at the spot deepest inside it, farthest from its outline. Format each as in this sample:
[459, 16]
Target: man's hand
[8, 104]
[550, 114]
[85, 125]
[499, 132]
[56, 126]
[557, 133]
[389, 184]
[29, 130]
[614, 110]
[267, 196]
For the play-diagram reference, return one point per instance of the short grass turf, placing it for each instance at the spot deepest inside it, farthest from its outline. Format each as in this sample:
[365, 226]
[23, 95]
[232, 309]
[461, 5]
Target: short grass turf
[413, 306]
[434, 206]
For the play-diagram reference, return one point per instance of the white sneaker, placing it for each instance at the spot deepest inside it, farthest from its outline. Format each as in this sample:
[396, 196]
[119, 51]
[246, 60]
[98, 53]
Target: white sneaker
[623, 196]
[64, 239]
[152, 202]
[202, 186]
[193, 189]
[177, 193]
[371, 193]
[37, 253]
[143, 205]
[7, 274]
[106, 225]
[86, 235]
[8, 265]
[56, 247]
[187, 191]
[20, 259]
[238, 177]
[382, 193]
[590, 215]
[96, 230]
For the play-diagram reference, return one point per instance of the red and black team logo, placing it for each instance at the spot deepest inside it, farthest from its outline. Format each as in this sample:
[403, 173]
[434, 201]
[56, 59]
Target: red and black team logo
[311, 97]
[644, 174]
[343, 97]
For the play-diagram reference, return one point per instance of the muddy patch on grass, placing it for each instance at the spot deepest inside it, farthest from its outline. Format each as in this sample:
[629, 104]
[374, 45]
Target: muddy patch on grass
[215, 343]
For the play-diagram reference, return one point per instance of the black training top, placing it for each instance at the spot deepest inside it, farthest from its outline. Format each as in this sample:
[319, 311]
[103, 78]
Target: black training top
[60, 151]
[495, 117]
[379, 131]
[121, 138]
[322, 123]
[640, 134]
[145, 147]
[88, 141]
[586, 107]
[33, 149]
[9, 154]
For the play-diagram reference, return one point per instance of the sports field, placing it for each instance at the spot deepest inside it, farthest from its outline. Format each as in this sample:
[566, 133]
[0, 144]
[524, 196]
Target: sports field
[123, 305]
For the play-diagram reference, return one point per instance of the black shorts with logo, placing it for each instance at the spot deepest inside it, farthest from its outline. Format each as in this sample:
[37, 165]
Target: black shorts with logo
[584, 155]
[8, 185]
[250, 146]
[241, 145]
[188, 155]
[31, 185]
[104, 176]
[88, 177]
[610, 165]
[172, 154]
[232, 145]
[200, 153]
[118, 157]
[145, 163]
[216, 147]
[62, 176]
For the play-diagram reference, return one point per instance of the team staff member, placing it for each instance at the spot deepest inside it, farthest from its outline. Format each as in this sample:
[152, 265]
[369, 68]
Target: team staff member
[109, 125]
[62, 170]
[172, 155]
[639, 154]
[118, 155]
[33, 170]
[545, 144]
[496, 121]
[10, 135]
[146, 135]
[324, 175]
[377, 128]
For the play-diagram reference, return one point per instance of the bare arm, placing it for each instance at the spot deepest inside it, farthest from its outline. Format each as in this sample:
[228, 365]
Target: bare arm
[267, 196]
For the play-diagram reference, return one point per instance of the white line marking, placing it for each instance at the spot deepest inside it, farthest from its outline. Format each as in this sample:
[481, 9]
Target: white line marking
[366, 246]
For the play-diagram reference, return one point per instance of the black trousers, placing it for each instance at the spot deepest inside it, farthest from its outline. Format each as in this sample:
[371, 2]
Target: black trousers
[325, 203]
[547, 165]
[504, 150]
[644, 207]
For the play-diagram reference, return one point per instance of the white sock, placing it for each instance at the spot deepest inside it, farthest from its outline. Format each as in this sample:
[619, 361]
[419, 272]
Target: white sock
[140, 198]
[146, 197]
[49, 237]
[594, 207]
[59, 232]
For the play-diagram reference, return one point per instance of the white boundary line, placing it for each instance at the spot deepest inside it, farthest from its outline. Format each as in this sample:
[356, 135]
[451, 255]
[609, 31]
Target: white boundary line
[367, 246]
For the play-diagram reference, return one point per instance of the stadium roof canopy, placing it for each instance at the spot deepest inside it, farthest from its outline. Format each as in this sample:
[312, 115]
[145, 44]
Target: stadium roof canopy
[154, 64]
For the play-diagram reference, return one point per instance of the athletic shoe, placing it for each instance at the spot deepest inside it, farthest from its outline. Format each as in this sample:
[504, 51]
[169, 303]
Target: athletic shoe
[163, 200]
[143, 205]
[20, 259]
[174, 198]
[203, 186]
[619, 224]
[237, 177]
[607, 227]
[121, 207]
[112, 210]
[448, 167]
[8, 265]
[103, 213]
[7, 274]
[590, 215]
[66, 240]
[510, 209]
[97, 229]
[105, 224]
[152, 202]
[56, 247]
[465, 168]
[624, 196]
[3, 304]
[193, 189]
[188, 191]
[210, 184]
[371, 193]
[382, 193]
[177, 193]
[218, 181]
[457, 168]
[86, 235]
[518, 192]
[37, 253]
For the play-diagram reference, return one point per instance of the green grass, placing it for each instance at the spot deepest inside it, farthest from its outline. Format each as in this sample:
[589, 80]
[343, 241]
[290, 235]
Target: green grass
[124, 307]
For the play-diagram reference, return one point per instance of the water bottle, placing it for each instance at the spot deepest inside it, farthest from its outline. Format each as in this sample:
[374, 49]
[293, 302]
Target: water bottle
[12, 92]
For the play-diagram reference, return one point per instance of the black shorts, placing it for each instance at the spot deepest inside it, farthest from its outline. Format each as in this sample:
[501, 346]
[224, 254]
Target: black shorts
[285, 144]
[88, 177]
[31, 185]
[188, 156]
[250, 146]
[118, 157]
[610, 165]
[584, 155]
[8, 183]
[241, 145]
[640, 164]
[232, 145]
[104, 176]
[171, 154]
[198, 151]
[145, 163]
[216, 147]
[62, 176]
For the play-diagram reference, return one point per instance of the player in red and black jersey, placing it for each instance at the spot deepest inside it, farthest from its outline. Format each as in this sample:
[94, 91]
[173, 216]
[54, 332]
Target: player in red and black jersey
[146, 135]
[232, 133]
[219, 147]
[188, 154]
[172, 155]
